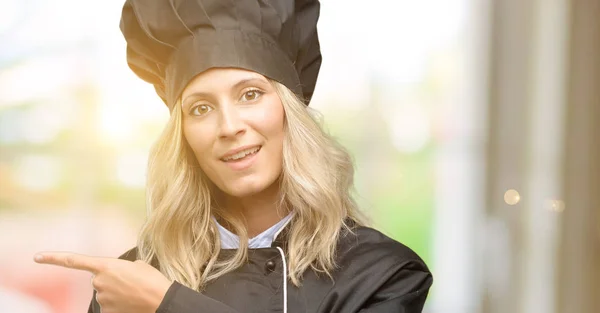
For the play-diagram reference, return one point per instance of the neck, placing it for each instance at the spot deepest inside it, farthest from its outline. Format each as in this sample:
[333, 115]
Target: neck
[259, 211]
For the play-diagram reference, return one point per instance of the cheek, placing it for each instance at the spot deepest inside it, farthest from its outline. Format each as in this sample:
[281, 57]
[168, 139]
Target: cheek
[273, 129]
[270, 120]
[200, 145]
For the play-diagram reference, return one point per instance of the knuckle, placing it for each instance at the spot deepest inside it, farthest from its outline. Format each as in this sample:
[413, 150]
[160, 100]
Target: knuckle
[97, 283]
[108, 267]
[108, 271]
[69, 261]
[101, 298]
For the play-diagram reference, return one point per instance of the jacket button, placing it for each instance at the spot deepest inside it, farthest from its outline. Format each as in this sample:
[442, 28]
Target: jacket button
[270, 266]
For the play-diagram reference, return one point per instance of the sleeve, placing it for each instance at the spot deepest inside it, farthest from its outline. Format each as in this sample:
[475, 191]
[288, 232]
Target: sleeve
[404, 292]
[181, 299]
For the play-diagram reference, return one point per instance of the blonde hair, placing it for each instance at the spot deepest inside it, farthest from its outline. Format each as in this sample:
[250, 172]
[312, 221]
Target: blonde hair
[316, 183]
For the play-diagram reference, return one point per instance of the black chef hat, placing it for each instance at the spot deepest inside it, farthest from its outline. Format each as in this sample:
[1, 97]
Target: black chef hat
[169, 42]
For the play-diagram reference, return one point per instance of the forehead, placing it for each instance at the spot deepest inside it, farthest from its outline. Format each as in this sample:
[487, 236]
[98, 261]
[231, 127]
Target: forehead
[216, 79]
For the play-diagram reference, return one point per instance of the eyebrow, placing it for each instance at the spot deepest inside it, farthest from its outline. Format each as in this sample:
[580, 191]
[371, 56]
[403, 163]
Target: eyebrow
[248, 80]
[201, 94]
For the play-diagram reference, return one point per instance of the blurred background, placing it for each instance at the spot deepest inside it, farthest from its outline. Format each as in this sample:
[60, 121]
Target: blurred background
[474, 124]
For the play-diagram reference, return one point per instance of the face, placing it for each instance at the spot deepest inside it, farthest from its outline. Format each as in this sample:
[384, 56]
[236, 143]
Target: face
[234, 122]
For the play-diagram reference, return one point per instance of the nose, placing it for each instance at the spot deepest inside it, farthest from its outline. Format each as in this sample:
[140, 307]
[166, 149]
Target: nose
[231, 124]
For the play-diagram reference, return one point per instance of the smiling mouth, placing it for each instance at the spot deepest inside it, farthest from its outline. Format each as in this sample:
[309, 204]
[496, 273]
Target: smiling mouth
[242, 155]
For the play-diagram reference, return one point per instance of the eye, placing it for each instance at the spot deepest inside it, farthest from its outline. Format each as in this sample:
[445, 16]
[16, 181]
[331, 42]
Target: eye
[252, 95]
[200, 109]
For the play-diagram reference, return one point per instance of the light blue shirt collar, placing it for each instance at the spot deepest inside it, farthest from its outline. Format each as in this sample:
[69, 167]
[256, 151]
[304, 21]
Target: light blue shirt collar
[230, 240]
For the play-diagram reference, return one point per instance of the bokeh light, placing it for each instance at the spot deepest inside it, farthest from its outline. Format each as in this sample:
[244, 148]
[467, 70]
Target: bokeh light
[512, 197]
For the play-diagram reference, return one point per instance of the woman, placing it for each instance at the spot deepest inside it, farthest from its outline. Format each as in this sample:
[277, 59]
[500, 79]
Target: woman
[242, 157]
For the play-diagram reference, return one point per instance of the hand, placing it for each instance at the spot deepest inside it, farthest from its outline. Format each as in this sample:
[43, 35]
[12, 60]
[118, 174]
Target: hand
[121, 286]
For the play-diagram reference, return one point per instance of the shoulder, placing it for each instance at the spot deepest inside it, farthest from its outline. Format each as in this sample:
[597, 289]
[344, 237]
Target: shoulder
[380, 271]
[370, 262]
[364, 249]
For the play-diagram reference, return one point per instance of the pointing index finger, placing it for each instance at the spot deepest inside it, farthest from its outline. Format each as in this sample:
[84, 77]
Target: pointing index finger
[72, 260]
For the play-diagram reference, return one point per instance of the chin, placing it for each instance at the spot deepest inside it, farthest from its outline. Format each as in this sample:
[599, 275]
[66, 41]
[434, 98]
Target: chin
[243, 189]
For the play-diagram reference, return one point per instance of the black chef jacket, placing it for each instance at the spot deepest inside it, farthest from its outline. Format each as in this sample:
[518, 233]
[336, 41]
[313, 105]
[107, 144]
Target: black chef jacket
[375, 274]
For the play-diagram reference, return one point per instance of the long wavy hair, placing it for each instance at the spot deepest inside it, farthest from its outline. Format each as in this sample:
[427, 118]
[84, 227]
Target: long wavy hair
[316, 183]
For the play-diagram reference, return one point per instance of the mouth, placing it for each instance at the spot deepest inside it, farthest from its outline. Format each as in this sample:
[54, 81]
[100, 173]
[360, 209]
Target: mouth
[241, 155]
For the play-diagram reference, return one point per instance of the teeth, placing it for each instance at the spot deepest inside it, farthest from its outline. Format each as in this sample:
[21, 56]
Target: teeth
[241, 154]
